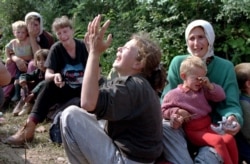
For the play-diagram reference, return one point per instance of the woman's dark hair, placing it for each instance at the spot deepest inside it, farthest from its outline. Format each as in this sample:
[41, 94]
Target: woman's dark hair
[150, 54]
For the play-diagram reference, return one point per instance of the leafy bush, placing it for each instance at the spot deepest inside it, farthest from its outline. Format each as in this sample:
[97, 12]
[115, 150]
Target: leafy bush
[165, 20]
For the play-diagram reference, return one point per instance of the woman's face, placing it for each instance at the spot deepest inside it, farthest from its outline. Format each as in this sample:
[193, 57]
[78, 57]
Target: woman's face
[197, 42]
[125, 61]
[65, 35]
[33, 27]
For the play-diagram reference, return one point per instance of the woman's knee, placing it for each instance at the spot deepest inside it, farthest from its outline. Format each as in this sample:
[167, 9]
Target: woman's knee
[70, 111]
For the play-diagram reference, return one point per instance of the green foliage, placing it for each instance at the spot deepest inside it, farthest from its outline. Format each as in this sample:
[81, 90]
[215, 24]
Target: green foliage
[165, 20]
[10, 11]
[233, 30]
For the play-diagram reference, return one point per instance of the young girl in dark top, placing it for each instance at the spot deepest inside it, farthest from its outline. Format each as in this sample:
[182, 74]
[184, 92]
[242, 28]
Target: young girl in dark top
[27, 80]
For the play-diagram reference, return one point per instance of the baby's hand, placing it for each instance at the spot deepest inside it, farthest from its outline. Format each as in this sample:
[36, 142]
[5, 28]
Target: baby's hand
[186, 116]
[176, 121]
[21, 64]
[204, 81]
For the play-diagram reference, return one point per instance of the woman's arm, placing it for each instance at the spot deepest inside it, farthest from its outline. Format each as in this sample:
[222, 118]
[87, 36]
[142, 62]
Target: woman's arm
[97, 45]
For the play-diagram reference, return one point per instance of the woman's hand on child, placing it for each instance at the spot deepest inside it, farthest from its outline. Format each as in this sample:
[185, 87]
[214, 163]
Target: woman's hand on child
[21, 64]
[235, 128]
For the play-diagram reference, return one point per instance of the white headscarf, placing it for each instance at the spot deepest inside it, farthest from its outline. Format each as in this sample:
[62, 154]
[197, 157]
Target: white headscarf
[209, 33]
[38, 15]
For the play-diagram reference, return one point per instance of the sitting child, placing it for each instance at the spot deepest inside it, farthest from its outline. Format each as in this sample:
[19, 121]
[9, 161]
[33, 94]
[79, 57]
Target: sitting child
[35, 78]
[19, 51]
[243, 138]
[192, 98]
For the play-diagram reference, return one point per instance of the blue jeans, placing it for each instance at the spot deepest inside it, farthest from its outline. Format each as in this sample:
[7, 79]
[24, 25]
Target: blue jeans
[85, 141]
[176, 150]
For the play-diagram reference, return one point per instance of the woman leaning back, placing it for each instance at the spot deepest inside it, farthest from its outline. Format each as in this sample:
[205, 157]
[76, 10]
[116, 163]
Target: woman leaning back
[129, 103]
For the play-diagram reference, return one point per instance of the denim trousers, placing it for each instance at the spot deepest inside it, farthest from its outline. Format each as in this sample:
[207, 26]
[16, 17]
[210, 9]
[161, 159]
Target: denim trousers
[175, 149]
[85, 141]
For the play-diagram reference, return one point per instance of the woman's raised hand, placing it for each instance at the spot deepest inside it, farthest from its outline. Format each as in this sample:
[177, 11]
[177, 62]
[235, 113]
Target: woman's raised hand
[94, 38]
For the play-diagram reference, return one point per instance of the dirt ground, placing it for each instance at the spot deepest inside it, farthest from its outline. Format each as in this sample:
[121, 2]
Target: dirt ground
[9, 155]
[40, 151]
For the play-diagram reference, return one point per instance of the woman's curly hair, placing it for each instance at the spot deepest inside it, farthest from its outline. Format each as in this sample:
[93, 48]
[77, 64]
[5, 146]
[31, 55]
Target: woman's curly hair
[150, 54]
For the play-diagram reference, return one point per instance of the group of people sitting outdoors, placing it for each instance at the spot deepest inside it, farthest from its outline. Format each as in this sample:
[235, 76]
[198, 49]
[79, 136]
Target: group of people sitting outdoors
[200, 117]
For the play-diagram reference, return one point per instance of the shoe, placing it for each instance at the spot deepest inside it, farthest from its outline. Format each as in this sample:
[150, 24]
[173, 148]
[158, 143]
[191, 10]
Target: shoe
[25, 134]
[16, 96]
[26, 109]
[18, 107]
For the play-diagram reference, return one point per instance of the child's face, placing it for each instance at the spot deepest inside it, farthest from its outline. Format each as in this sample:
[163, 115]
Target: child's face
[21, 33]
[191, 79]
[40, 64]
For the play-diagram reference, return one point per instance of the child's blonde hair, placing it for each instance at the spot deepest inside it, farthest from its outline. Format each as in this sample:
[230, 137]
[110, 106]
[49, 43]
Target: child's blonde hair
[40, 54]
[191, 63]
[19, 24]
[242, 71]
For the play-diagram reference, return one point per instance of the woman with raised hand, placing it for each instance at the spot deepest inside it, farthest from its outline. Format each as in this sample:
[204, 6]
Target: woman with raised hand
[129, 103]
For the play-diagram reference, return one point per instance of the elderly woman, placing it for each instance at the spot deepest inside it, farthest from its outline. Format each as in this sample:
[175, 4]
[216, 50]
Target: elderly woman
[200, 38]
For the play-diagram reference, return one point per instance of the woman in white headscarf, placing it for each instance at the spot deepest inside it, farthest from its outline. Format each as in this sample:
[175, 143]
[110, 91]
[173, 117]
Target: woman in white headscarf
[39, 39]
[200, 38]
